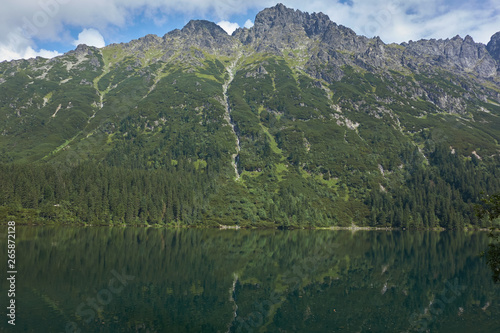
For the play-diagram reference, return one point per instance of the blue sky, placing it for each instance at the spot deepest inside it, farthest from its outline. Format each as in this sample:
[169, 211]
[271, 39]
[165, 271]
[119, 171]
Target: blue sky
[29, 28]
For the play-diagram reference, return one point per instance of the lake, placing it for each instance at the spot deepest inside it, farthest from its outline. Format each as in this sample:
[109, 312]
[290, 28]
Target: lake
[100, 279]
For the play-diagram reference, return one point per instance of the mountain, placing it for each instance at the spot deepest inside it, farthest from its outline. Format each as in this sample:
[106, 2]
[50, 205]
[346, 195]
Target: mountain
[296, 121]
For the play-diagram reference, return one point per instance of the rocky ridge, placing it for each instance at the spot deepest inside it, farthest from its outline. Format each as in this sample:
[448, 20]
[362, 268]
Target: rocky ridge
[314, 41]
[280, 31]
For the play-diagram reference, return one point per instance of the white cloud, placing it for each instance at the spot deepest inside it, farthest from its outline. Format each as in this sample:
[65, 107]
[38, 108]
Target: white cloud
[42, 53]
[399, 21]
[228, 26]
[18, 46]
[9, 53]
[90, 37]
[248, 24]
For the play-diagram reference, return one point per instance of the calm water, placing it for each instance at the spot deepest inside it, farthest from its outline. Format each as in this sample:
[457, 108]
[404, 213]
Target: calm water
[150, 280]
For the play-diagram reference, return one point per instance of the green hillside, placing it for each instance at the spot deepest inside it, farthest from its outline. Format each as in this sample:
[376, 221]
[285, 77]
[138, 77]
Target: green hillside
[202, 128]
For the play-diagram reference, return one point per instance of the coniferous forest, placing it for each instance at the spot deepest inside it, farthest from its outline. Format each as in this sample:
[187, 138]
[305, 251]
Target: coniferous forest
[441, 194]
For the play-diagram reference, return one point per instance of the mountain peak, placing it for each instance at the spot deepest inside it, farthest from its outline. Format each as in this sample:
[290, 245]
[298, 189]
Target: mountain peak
[82, 49]
[202, 34]
[279, 26]
[279, 15]
[493, 47]
[281, 8]
[278, 9]
[195, 26]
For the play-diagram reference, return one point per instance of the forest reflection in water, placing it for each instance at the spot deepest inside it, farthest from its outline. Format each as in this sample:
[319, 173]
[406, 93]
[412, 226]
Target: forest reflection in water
[203, 280]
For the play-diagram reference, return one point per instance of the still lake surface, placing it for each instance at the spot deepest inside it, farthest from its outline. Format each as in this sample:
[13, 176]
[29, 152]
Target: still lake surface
[75, 279]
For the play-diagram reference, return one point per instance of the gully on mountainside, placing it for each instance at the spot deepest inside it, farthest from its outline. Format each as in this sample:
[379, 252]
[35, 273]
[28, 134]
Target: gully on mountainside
[231, 69]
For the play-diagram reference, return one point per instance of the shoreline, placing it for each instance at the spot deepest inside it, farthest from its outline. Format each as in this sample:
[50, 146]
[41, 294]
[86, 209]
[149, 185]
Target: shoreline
[237, 227]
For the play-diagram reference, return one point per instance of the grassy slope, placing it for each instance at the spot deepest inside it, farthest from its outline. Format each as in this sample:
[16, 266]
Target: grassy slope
[305, 143]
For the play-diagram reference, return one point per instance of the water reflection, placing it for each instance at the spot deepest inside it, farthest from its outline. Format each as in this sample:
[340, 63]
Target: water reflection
[150, 280]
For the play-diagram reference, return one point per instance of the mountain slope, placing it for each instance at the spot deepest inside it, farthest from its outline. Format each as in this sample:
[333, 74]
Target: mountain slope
[295, 121]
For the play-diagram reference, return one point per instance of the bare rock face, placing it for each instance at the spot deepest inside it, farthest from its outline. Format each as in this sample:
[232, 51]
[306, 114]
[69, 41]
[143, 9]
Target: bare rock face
[82, 49]
[279, 28]
[148, 42]
[201, 34]
[274, 29]
[493, 47]
[455, 54]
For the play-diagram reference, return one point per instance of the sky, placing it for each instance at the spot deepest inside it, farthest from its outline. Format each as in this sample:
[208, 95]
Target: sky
[48, 28]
